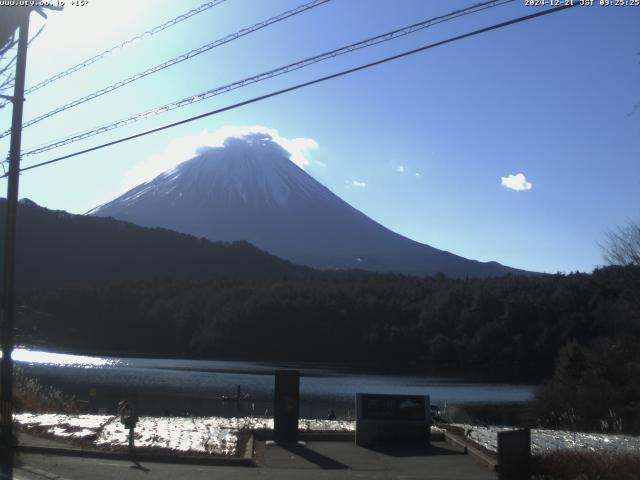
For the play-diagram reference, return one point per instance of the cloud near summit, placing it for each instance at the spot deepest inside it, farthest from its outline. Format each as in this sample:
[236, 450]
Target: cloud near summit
[185, 148]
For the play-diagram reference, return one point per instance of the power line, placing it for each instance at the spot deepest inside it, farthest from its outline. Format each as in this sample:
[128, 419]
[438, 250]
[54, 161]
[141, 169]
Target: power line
[302, 85]
[385, 37]
[169, 63]
[112, 50]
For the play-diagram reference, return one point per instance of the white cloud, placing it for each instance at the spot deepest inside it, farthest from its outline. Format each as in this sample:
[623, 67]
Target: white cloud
[418, 175]
[182, 149]
[320, 163]
[358, 184]
[400, 169]
[516, 182]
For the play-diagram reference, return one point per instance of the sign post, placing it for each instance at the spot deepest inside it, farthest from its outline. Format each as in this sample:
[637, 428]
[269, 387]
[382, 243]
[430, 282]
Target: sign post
[129, 420]
[286, 408]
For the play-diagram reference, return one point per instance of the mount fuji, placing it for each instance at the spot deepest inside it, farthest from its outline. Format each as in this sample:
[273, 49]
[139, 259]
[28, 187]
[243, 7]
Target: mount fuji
[249, 189]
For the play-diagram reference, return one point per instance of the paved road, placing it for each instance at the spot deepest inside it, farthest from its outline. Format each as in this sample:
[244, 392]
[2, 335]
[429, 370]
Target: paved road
[316, 460]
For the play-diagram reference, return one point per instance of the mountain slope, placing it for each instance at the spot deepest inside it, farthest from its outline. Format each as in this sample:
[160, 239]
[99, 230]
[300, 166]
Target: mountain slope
[249, 190]
[56, 248]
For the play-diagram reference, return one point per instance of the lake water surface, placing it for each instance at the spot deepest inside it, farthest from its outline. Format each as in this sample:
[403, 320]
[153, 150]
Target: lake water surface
[195, 387]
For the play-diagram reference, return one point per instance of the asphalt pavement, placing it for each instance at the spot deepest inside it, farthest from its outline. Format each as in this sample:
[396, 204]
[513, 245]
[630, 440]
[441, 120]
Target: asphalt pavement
[314, 460]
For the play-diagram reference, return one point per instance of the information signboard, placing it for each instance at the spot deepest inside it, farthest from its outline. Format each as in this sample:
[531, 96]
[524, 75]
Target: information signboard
[379, 407]
[384, 418]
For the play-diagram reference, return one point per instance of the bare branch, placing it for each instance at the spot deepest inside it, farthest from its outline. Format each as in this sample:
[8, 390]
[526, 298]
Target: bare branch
[622, 246]
[8, 65]
[6, 83]
[11, 42]
[40, 30]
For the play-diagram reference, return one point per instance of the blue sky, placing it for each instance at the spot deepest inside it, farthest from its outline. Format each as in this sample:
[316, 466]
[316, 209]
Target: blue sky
[421, 144]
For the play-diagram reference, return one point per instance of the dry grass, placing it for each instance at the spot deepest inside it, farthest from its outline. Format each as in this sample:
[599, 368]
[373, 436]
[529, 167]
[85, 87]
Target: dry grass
[572, 465]
[31, 396]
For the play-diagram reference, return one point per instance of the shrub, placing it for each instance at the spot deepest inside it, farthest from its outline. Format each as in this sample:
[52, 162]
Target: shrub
[574, 465]
[595, 388]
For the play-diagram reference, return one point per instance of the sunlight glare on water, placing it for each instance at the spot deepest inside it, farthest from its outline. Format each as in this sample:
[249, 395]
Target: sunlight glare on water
[196, 387]
[37, 357]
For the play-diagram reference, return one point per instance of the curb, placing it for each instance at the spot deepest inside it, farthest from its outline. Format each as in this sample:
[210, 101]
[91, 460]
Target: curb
[244, 460]
[40, 472]
[472, 451]
[264, 435]
[330, 436]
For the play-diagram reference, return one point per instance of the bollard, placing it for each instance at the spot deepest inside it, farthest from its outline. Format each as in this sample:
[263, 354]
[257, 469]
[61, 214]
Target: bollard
[131, 433]
[93, 396]
[514, 454]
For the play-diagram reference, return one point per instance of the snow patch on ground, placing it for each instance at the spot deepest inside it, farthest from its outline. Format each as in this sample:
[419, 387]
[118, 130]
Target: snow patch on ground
[69, 426]
[219, 435]
[201, 435]
[211, 435]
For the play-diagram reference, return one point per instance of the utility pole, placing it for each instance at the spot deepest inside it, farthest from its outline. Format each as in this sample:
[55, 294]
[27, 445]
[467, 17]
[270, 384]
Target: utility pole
[8, 292]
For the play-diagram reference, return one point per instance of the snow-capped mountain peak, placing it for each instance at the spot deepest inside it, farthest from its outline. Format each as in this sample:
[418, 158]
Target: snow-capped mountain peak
[249, 189]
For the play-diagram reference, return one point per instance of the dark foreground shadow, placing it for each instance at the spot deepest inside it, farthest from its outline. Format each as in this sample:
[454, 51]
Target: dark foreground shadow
[138, 466]
[412, 450]
[324, 462]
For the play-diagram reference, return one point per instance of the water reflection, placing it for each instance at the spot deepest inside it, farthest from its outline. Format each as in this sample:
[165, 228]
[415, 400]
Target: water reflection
[197, 387]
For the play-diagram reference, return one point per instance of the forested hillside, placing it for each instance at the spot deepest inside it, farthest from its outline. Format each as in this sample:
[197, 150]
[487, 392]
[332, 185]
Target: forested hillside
[56, 248]
[510, 325]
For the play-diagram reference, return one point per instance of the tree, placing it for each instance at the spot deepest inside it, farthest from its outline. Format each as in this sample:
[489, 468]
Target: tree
[9, 22]
[622, 246]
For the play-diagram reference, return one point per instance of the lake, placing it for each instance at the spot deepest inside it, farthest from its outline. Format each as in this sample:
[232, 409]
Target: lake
[195, 387]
